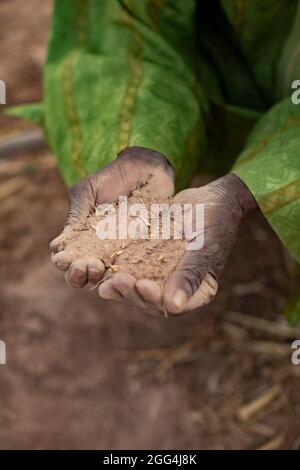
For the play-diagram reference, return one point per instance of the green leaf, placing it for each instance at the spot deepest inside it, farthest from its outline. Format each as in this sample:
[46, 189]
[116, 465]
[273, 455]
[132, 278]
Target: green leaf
[33, 112]
[292, 310]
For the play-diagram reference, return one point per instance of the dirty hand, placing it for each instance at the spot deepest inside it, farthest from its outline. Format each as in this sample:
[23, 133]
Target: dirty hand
[132, 167]
[195, 280]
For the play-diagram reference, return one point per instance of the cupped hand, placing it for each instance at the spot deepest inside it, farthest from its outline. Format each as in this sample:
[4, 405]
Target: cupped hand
[194, 282]
[133, 167]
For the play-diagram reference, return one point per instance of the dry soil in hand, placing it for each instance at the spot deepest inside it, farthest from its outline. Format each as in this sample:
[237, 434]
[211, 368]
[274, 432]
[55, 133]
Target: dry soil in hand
[149, 258]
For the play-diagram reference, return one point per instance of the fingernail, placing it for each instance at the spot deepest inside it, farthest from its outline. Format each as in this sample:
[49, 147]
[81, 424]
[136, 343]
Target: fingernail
[62, 266]
[180, 299]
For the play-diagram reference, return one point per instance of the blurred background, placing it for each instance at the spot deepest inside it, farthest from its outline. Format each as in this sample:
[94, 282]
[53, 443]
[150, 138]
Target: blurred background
[84, 373]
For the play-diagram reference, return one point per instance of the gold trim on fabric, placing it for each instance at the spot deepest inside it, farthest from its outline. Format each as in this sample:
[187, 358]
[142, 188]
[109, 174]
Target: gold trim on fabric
[130, 96]
[280, 197]
[69, 99]
[259, 147]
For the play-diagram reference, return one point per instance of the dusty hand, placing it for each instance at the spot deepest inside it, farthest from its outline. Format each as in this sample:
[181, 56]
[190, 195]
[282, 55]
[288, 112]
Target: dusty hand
[195, 281]
[132, 167]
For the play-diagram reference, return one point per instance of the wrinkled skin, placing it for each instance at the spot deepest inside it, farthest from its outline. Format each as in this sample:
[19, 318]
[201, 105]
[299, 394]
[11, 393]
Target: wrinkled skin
[132, 167]
[194, 282]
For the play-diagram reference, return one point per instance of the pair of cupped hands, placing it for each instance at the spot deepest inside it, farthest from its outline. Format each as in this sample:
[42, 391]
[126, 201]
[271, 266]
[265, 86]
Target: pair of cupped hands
[194, 282]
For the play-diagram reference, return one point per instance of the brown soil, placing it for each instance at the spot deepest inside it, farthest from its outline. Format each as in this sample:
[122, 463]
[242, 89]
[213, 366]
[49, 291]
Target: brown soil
[144, 257]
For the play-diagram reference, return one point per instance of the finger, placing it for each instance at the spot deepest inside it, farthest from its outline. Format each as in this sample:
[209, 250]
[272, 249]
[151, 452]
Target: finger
[107, 291]
[95, 269]
[76, 275]
[59, 243]
[81, 201]
[151, 293]
[62, 259]
[204, 294]
[186, 280]
[124, 283]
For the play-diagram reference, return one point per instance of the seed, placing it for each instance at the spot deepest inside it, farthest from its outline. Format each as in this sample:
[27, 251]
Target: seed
[114, 267]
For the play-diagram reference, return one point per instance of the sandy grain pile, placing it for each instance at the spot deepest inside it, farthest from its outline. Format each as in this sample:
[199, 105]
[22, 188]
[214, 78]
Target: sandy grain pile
[143, 258]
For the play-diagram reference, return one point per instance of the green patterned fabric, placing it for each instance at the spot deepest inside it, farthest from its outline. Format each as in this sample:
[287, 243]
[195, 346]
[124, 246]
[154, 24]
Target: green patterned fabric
[270, 167]
[270, 162]
[112, 80]
[187, 78]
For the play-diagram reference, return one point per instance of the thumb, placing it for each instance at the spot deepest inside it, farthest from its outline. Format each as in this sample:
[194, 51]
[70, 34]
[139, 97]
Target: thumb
[81, 204]
[191, 285]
